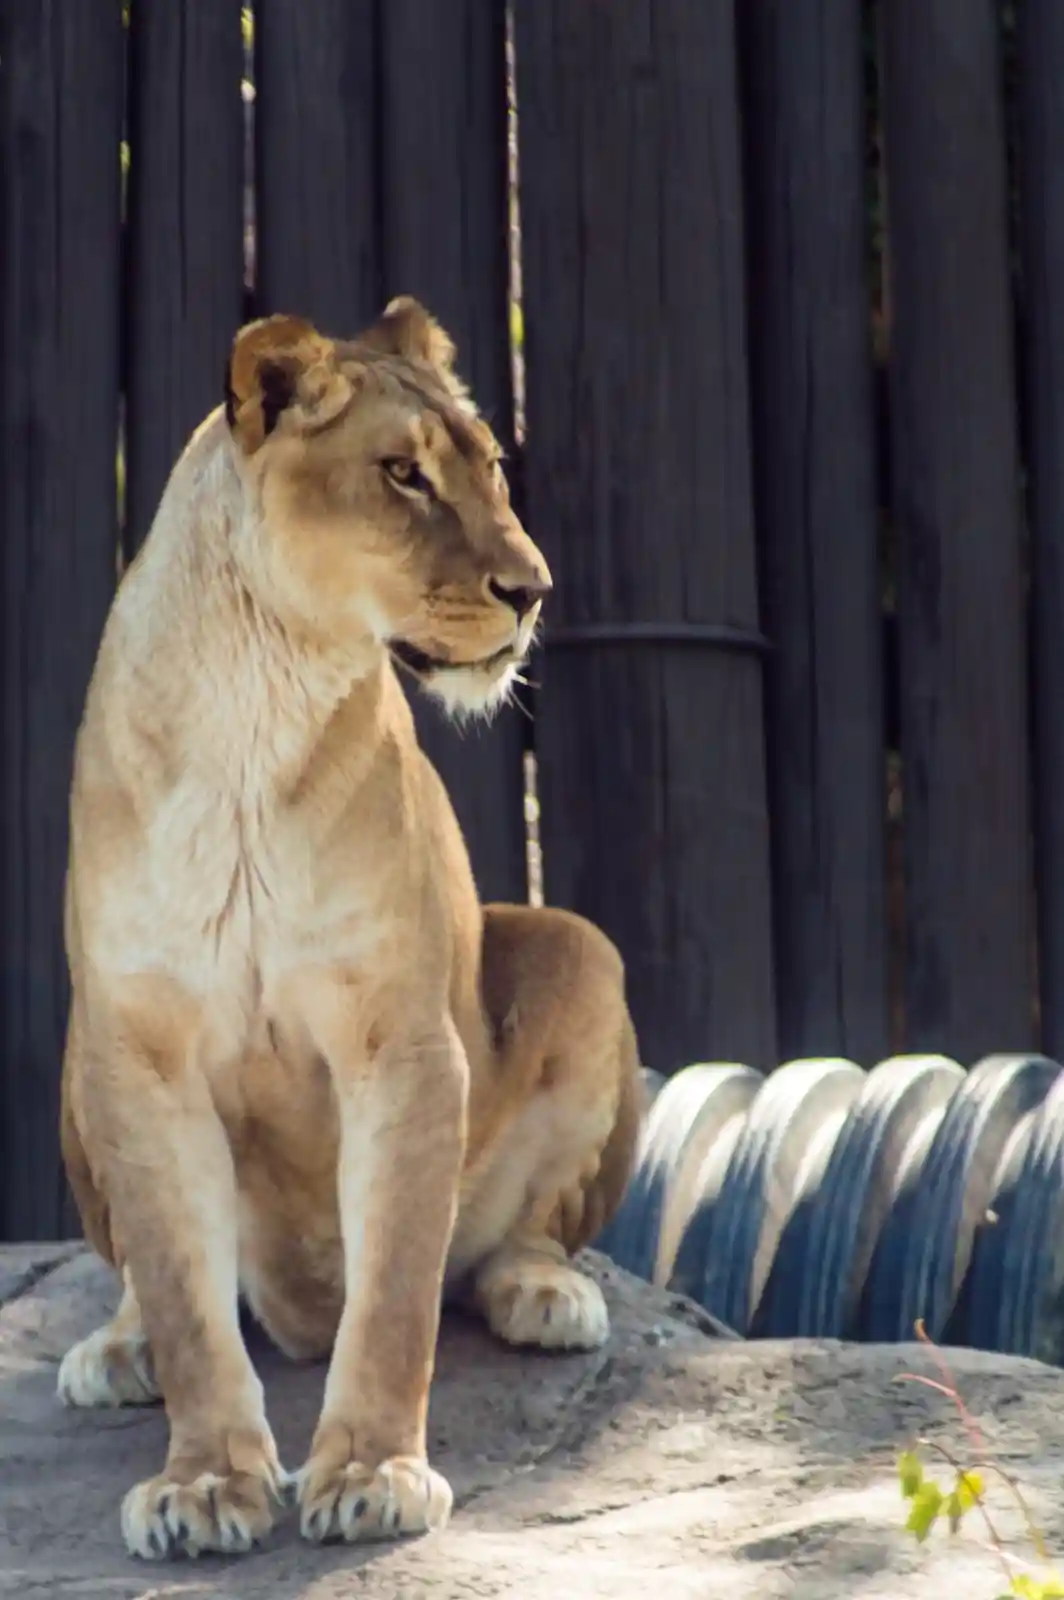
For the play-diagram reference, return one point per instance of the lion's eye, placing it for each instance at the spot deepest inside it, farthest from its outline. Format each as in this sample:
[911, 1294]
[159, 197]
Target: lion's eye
[407, 474]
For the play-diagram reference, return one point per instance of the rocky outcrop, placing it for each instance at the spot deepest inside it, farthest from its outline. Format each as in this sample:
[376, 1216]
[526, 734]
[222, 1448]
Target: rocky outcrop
[675, 1462]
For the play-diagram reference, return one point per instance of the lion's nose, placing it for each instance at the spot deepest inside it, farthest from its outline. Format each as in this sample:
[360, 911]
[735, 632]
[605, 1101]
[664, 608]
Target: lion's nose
[520, 597]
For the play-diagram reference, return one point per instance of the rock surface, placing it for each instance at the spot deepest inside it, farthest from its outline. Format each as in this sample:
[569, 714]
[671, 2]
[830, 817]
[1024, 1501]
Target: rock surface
[673, 1463]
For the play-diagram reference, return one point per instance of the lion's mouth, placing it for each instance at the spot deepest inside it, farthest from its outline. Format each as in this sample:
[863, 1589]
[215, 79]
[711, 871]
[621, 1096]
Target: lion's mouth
[415, 660]
[422, 664]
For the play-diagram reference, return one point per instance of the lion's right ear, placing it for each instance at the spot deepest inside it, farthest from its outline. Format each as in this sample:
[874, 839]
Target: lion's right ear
[281, 366]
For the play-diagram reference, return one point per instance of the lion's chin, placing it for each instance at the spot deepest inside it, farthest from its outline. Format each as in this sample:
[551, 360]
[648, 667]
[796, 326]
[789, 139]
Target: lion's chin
[468, 694]
[465, 690]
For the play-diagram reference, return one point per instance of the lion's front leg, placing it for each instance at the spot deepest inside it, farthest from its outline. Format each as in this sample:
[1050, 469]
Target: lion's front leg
[163, 1162]
[402, 1119]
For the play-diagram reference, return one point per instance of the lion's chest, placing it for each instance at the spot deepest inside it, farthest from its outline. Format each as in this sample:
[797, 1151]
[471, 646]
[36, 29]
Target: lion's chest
[235, 897]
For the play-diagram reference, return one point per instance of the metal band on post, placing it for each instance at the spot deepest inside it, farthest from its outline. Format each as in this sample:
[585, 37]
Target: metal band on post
[721, 634]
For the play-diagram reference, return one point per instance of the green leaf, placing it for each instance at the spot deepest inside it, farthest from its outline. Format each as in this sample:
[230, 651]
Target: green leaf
[910, 1473]
[969, 1488]
[1051, 1587]
[927, 1503]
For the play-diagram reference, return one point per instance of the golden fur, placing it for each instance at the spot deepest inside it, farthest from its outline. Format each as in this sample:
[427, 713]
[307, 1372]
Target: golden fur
[303, 1063]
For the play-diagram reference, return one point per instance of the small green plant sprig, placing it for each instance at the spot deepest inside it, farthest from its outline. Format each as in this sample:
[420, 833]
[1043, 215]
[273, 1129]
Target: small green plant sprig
[930, 1502]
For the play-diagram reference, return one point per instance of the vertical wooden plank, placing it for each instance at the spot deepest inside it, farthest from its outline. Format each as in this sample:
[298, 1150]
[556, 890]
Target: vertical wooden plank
[61, 117]
[317, 161]
[185, 232]
[654, 818]
[815, 492]
[1041, 105]
[444, 239]
[955, 504]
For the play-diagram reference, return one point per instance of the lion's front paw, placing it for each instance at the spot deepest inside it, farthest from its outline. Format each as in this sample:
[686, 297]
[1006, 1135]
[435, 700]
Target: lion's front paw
[107, 1371]
[401, 1496]
[229, 1512]
[544, 1303]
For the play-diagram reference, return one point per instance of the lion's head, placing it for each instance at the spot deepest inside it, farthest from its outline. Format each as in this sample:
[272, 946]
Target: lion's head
[381, 509]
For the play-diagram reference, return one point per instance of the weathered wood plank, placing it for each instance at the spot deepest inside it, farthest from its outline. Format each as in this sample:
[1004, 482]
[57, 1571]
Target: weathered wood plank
[815, 491]
[955, 505]
[60, 126]
[1041, 106]
[638, 481]
[316, 159]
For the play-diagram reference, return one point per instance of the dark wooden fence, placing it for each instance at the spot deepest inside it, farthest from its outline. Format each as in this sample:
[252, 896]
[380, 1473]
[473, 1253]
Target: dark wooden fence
[791, 434]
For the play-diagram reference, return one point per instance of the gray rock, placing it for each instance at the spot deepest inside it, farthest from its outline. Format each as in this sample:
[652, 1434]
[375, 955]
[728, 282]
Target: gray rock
[671, 1462]
[22, 1264]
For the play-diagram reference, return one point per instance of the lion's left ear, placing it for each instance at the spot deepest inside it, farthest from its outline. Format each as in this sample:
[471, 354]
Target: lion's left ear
[407, 329]
[281, 366]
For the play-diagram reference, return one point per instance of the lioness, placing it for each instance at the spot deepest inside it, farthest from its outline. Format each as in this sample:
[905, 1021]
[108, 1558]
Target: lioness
[303, 1064]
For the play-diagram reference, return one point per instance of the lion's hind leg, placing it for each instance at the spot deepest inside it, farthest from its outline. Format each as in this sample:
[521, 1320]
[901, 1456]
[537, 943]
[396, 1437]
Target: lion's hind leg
[113, 1366]
[569, 1067]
